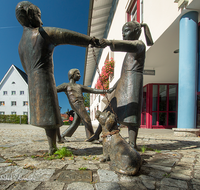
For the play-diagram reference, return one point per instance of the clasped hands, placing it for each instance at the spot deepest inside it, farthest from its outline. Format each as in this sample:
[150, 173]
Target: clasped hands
[100, 43]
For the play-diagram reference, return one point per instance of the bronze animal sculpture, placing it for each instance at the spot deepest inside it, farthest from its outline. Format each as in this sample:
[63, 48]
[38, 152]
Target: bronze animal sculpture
[36, 54]
[124, 159]
[127, 100]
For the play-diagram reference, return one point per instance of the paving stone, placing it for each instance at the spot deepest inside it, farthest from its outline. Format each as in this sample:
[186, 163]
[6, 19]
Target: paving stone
[80, 186]
[39, 175]
[27, 185]
[196, 187]
[107, 176]
[73, 176]
[2, 160]
[180, 176]
[174, 183]
[104, 166]
[195, 181]
[181, 170]
[132, 186]
[5, 184]
[152, 172]
[188, 160]
[158, 167]
[197, 174]
[52, 185]
[76, 166]
[124, 178]
[4, 164]
[110, 186]
[149, 182]
[13, 173]
[164, 187]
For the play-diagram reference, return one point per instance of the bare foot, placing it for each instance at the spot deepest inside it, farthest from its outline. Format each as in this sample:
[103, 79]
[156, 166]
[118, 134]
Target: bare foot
[92, 138]
[61, 140]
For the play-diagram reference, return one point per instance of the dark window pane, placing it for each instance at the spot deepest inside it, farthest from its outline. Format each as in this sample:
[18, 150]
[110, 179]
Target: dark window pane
[172, 97]
[154, 97]
[144, 99]
[154, 118]
[162, 118]
[172, 119]
[163, 98]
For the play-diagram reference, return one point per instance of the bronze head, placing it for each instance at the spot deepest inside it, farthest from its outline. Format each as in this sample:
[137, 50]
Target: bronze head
[71, 73]
[28, 15]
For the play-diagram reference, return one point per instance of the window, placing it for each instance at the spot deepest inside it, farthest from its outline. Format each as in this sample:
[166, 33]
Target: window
[13, 113]
[2, 113]
[13, 103]
[25, 103]
[133, 11]
[5, 93]
[21, 92]
[13, 82]
[2, 103]
[13, 93]
[25, 113]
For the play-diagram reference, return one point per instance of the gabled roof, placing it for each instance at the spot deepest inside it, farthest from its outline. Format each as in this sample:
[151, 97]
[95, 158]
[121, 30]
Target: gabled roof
[21, 73]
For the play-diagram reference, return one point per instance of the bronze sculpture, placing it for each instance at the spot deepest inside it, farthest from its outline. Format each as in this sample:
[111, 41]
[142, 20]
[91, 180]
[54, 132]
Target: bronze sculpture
[74, 93]
[36, 54]
[127, 100]
[123, 158]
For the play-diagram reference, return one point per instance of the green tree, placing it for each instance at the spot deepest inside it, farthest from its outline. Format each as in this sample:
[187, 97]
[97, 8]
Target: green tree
[86, 97]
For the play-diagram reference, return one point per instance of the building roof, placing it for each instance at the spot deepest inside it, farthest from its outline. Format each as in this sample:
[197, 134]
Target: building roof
[21, 73]
[99, 21]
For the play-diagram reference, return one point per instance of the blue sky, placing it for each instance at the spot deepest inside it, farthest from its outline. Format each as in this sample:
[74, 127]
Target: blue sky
[69, 14]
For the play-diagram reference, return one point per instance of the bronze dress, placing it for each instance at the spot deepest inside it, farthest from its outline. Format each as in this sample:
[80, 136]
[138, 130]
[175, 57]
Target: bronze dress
[36, 54]
[128, 93]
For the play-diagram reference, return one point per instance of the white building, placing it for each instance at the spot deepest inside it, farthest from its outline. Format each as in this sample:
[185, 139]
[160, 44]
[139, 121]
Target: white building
[14, 97]
[174, 26]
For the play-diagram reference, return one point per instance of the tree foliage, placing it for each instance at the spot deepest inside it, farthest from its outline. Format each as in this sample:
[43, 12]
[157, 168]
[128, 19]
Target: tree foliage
[86, 97]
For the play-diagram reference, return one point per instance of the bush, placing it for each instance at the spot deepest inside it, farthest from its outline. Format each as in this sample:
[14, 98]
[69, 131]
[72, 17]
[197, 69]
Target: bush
[14, 119]
[66, 123]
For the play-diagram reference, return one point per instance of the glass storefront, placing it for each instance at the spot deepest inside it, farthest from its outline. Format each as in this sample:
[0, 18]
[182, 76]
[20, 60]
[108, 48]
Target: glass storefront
[159, 106]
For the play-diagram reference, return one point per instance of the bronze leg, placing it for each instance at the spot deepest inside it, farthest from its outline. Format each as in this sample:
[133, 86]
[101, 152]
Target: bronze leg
[51, 137]
[133, 133]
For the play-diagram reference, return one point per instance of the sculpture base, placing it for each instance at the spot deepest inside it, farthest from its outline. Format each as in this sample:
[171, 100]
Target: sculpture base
[180, 132]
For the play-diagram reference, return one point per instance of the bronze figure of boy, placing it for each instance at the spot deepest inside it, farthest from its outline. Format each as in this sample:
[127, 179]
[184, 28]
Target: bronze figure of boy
[74, 93]
[36, 54]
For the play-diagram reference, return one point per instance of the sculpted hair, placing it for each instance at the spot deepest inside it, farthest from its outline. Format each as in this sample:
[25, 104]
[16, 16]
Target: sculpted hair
[21, 11]
[138, 26]
[71, 73]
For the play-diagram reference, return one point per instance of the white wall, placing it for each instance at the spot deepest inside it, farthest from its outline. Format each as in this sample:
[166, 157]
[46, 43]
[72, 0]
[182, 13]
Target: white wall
[161, 17]
[20, 85]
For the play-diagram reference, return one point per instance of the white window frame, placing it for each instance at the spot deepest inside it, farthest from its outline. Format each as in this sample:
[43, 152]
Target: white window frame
[13, 92]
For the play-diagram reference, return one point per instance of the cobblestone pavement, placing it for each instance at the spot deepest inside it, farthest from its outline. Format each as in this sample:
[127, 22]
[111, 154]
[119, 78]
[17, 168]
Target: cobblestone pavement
[169, 162]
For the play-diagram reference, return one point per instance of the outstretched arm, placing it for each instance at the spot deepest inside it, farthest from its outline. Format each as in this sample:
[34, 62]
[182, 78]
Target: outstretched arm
[62, 87]
[59, 36]
[136, 46]
[93, 90]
